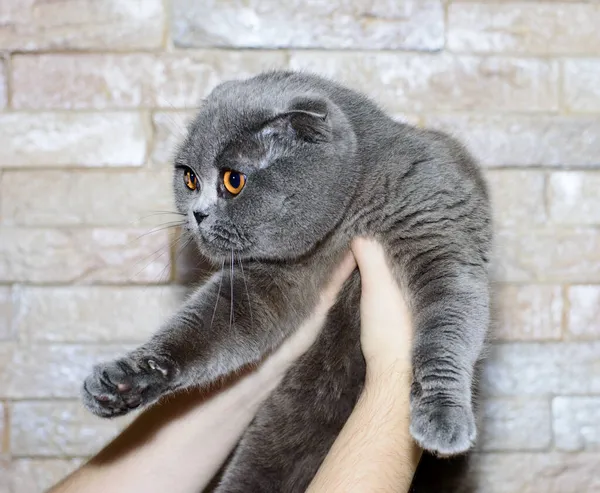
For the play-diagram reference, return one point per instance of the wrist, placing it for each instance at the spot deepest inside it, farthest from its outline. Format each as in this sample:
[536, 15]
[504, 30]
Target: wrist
[393, 376]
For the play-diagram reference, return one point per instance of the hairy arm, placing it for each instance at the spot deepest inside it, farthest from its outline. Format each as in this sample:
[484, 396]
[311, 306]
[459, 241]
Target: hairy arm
[375, 451]
[177, 445]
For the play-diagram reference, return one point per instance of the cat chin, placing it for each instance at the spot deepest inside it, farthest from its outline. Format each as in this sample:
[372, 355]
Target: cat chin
[218, 250]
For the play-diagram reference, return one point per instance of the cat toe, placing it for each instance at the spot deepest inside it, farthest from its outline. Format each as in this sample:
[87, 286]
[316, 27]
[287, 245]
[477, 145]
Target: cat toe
[116, 388]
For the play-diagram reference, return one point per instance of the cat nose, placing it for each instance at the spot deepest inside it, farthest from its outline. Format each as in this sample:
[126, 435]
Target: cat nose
[200, 216]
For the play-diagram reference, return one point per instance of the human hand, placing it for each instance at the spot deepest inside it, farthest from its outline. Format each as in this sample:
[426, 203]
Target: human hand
[386, 325]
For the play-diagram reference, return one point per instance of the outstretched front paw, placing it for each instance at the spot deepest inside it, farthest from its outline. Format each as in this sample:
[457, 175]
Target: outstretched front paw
[115, 388]
[443, 427]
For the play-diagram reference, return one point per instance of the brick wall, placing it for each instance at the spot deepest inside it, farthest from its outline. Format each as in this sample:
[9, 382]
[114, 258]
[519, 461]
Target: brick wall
[93, 95]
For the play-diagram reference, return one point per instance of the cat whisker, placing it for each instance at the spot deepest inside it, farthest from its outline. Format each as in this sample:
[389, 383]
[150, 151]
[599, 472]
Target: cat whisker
[184, 108]
[178, 254]
[247, 292]
[162, 213]
[153, 259]
[182, 130]
[162, 227]
[231, 283]
[218, 294]
[290, 307]
[153, 256]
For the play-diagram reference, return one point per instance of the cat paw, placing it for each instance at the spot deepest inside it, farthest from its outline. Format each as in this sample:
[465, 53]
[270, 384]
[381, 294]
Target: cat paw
[443, 428]
[115, 388]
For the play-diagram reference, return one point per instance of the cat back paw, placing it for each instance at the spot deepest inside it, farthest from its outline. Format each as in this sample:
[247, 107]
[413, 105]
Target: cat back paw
[443, 428]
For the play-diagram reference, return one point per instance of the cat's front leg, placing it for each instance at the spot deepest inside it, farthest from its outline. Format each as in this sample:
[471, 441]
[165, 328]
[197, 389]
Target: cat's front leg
[451, 315]
[226, 325]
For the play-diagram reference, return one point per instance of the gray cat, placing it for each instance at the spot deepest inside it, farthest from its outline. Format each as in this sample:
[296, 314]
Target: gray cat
[280, 172]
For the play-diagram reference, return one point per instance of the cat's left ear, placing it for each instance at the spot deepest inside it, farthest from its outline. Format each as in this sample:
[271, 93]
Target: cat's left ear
[307, 119]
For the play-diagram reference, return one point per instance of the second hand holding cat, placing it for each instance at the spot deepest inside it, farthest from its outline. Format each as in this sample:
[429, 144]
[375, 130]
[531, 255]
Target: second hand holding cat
[386, 325]
[375, 451]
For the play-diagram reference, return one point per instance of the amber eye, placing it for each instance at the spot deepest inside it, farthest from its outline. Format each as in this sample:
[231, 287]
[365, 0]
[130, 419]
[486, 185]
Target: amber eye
[234, 181]
[190, 180]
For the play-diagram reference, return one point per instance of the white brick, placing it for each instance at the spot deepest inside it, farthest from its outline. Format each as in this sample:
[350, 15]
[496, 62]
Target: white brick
[554, 255]
[520, 369]
[583, 316]
[3, 431]
[35, 475]
[55, 429]
[3, 84]
[538, 473]
[170, 128]
[378, 24]
[83, 255]
[528, 312]
[93, 313]
[72, 139]
[50, 371]
[576, 423]
[518, 140]
[580, 86]
[574, 197]
[29, 25]
[517, 197]
[527, 1]
[106, 81]
[518, 27]
[5, 479]
[183, 81]
[6, 309]
[83, 81]
[443, 82]
[90, 197]
[515, 424]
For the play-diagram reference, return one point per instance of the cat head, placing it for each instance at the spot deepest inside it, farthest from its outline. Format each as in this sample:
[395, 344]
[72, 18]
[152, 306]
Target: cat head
[266, 170]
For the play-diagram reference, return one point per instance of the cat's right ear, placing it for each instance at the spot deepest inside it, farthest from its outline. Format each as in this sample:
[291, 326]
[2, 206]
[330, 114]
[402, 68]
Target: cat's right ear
[306, 119]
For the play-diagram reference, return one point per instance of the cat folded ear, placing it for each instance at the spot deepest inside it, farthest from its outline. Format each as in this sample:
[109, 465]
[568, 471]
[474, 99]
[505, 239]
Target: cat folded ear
[306, 119]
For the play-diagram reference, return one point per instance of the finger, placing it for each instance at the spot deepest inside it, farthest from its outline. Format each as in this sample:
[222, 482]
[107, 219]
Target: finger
[380, 290]
[374, 270]
[339, 277]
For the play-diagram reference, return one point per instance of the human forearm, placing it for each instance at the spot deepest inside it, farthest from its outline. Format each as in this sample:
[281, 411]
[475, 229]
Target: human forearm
[374, 451]
[181, 453]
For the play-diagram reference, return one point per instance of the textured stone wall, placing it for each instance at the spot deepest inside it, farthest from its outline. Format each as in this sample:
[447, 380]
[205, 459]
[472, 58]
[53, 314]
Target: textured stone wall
[93, 95]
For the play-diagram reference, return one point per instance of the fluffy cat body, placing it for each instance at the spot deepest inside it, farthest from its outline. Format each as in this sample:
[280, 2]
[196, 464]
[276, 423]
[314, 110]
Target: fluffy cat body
[321, 165]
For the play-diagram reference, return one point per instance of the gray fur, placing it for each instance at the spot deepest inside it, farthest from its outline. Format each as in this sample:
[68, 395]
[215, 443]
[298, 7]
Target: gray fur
[323, 165]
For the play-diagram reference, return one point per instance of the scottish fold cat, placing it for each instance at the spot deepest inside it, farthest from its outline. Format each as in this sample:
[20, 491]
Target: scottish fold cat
[276, 175]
